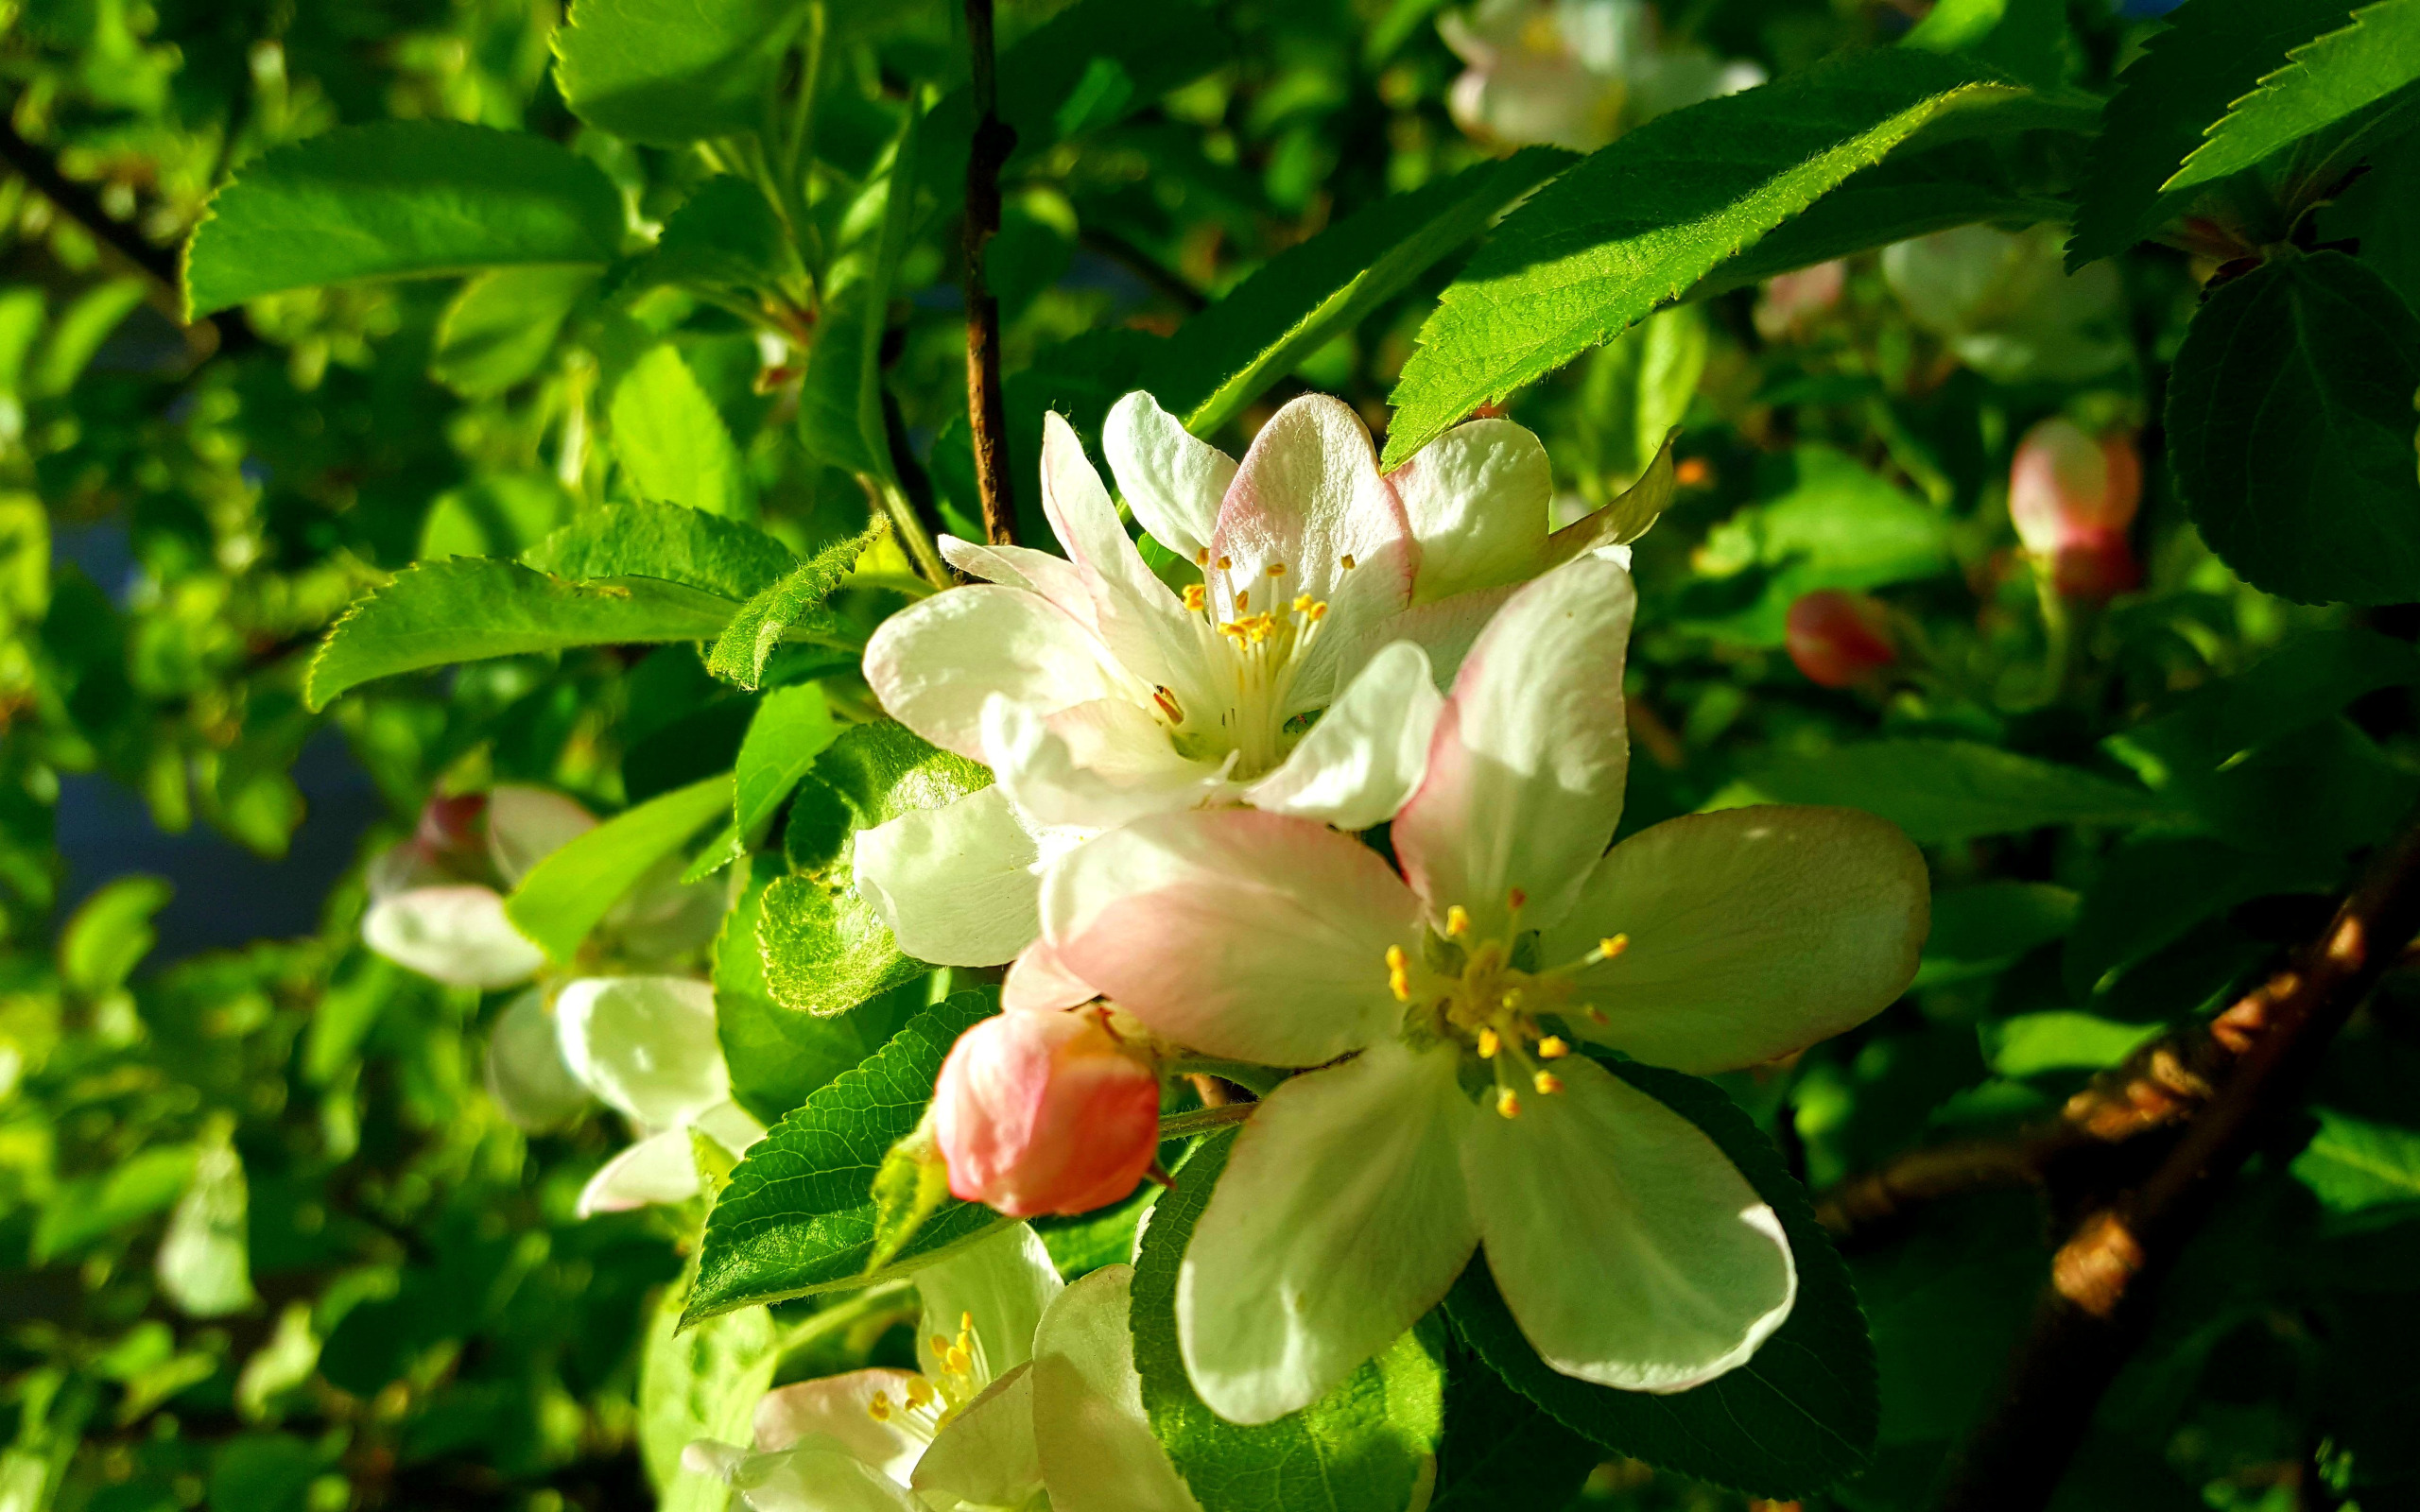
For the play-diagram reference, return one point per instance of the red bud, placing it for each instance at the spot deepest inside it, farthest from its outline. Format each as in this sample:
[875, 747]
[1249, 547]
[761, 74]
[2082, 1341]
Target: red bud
[1045, 1112]
[1839, 639]
[2066, 486]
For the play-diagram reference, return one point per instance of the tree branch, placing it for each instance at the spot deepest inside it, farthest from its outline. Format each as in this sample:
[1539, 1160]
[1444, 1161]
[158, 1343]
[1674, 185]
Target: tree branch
[2103, 1279]
[986, 414]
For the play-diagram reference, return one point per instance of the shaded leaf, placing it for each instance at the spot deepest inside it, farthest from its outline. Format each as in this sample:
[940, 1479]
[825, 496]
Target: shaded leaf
[669, 71]
[567, 894]
[700, 1383]
[2328, 79]
[1943, 790]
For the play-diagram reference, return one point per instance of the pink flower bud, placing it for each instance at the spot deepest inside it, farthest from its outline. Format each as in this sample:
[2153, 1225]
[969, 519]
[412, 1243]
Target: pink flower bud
[2097, 564]
[449, 827]
[1045, 1112]
[1839, 638]
[2066, 487]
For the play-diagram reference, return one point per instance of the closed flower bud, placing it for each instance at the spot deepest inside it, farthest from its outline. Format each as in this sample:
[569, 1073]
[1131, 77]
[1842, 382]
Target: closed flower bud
[2071, 497]
[1839, 639]
[1045, 1112]
[2097, 565]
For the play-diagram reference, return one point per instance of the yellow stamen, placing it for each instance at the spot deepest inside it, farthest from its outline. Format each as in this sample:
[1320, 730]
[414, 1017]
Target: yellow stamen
[1243, 600]
[1547, 1083]
[1346, 561]
[1553, 1048]
[1612, 947]
[1508, 1103]
[1276, 568]
[1226, 563]
[1196, 598]
[1458, 921]
[1302, 603]
[1169, 706]
[958, 1362]
[1399, 973]
[1517, 900]
[1317, 612]
[940, 1343]
[1202, 557]
[1595, 1014]
[1489, 1042]
[879, 1408]
[920, 1391]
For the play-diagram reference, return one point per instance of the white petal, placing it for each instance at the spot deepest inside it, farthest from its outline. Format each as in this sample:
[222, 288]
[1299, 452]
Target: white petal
[1477, 498]
[1092, 765]
[1629, 1249]
[1525, 777]
[661, 1168]
[525, 1070]
[1003, 1282]
[730, 1126]
[1143, 624]
[818, 1477]
[1753, 933]
[956, 884]
[1366, 754]
[837, 1409]
[645, 1044]
[1039, 982]
[526, 825]
[1246, 935]
[458, 935]
[1172, 481]
[1054, 578]
[934, 663]
[1308, 497]
[986, 1456]
[1340, 1219]
[1447, 628]
[1097, 1452]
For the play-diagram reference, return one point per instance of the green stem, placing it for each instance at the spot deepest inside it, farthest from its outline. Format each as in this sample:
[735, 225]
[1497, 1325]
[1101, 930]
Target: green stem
[912, 535]
[841, 1317]
[2058, 631]
[894, 582]
[1202, 1120]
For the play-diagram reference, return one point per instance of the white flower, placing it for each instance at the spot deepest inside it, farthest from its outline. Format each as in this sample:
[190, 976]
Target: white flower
[2007, 305]
[1629, 1249]
[1574, 72]
[1098, 694]
[647, 1045]
[1026, 1389]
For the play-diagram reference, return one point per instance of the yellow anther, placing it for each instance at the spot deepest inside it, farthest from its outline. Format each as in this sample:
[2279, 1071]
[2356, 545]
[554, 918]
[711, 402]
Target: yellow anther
[1302, 603]
[1611, 948]
[1508, 1103]
[1169, 706]
[1458, 921]
[1243, 600]
[1547, 1083]
[940, 1343]
[879, 1408]
[1553, 1048]
[1399, 973]
[1276, 568]
[1345, 561]
[1595, 1014]
[958, 1362]
[1517, 900]
[920, 1391]
[1489, 1042]
[1226, 563]
[1196, 598]
[1202, 557]
[1317, 612]
[1512, 999]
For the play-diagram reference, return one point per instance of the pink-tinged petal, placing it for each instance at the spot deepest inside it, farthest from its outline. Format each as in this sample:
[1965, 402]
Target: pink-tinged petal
[1628, 1247]
[956, 884]
[1525, 776]
[986, 1456]
[1245, 935]
[526, 825]
[1045, 1113]
[1143, 623]
[1055, 579]
[1307, 499]
[1447, 628]
[1477, 499]
[1172, 481]
[457, 935]
[934, 664]
[1097, 1452]
[1366, 755]
[660, 1168]
[839, 1410]
[1753, 933]
[1092, 765]
[1340, 1221]
[1039, 982]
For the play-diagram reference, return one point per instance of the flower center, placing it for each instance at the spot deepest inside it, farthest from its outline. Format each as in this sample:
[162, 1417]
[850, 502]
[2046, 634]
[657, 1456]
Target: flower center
[928, 1403]
[1252, 658]
[1471, 992]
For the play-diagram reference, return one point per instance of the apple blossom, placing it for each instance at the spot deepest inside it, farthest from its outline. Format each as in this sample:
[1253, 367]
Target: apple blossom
[1574, 72]
[1098, 693]
[1790, 303]
[1839, 638]
[1024, 1389]
[2072, 497]
[2007, 305]
[646, 1046]
[1629, 1248]
[1046, 1112]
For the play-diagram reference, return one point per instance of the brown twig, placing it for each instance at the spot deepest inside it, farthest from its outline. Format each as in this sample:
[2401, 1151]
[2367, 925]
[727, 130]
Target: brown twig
[2103, 1277]
[986, 414]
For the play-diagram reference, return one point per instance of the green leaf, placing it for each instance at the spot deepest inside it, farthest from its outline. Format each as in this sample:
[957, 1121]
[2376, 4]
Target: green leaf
[779, 1056]
[672, 442]
[2328, 79]
[798, 1216]
[700, 1383]
[671, 72]
[1500, 1453]
[2030, 1045]
[398, 199]
[500, 330]
[262, 1472]
[2151, 891]
[88, 1207]
[467, 609]
[1361, 1447]
[2213, 53]
[110, 933]
[825, 949]
[496, 514]
[725, 236]
[1945, 790]
[1979, 930]
[2355, 1166]
[566, 895]
[1641, 221]
[1800, 1415]
[1229, 354]
[2026, 39]
[2289, 426]
[672, 542]
[840, 413]
[792, 727]
[2307, 680]
[791, 606]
